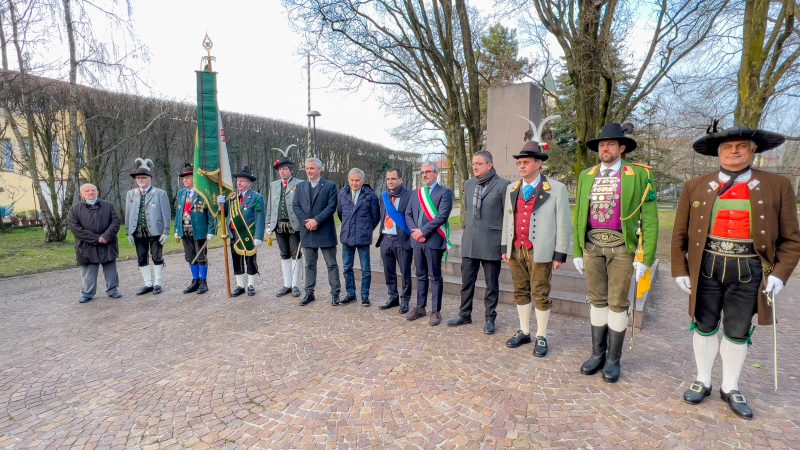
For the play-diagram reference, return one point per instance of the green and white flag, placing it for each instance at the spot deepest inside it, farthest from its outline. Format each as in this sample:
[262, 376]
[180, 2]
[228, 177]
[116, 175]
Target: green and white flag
[212, 168]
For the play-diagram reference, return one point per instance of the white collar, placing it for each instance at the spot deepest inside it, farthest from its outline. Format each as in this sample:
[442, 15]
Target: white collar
[743, 178]
[535, 182]
[614, 169]
[244, 192]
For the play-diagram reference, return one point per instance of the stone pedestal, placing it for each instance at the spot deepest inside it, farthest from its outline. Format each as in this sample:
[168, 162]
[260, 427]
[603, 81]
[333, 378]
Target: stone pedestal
[505, 130]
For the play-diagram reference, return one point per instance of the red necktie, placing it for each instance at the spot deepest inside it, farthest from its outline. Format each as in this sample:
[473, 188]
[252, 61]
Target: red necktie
[241, 199]
[284, 184]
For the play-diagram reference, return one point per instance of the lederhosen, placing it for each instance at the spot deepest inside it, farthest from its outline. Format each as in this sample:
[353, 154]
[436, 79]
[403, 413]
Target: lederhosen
[193, 247]
[730, 271]
[288, 239]
[145, 243]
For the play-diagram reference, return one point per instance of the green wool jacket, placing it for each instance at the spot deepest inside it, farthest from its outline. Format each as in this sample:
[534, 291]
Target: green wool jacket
[635, 179]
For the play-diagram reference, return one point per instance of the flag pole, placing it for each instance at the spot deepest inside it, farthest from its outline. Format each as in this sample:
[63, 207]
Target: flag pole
[223, 225]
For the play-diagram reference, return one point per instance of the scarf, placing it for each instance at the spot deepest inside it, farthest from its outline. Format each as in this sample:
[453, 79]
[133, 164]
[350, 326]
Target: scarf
[734, 175]
[397, 192]
[480, 192]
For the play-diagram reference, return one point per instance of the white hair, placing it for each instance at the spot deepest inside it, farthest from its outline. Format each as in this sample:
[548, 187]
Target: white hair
[357, 171]
[316, 161]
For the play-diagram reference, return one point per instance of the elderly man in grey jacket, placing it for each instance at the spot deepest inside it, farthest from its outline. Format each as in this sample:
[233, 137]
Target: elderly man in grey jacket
[147, 221]
[480, 244]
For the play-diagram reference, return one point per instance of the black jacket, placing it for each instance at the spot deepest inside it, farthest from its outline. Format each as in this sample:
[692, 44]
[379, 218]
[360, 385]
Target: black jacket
[88, 223]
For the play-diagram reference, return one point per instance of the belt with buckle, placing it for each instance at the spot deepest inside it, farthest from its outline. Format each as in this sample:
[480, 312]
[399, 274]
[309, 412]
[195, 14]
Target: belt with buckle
[732, 248]
[605, 238]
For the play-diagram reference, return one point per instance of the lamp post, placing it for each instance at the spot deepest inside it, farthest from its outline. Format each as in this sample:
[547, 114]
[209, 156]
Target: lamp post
[313, 114]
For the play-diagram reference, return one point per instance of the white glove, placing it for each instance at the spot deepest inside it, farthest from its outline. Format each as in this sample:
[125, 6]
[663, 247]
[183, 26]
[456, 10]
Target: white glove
[130, 239]
[221, 199]
[578, 264]
[638, 270]
[685, 284]
[209, 237]
[774, 285]
[163, 239]
[258, 242]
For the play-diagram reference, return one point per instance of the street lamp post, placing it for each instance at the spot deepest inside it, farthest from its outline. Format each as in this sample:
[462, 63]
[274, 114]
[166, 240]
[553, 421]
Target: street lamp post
[313, 114]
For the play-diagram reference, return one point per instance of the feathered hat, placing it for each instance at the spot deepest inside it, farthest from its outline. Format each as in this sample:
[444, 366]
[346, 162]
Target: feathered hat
[709, 144]
[145, 168]
[536, 138]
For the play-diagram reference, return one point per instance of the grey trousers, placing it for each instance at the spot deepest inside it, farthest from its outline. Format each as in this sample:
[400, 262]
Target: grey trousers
[329, 253]
[89, 278]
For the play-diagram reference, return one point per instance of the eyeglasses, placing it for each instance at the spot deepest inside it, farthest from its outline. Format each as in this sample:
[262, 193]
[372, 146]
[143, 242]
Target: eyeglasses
[425, 172]
[478, 164]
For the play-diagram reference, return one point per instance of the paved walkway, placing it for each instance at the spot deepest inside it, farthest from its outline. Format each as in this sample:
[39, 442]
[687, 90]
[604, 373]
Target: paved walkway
[210, 372]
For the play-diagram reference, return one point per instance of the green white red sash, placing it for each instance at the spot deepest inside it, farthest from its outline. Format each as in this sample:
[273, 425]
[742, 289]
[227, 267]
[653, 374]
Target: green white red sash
[430, 211]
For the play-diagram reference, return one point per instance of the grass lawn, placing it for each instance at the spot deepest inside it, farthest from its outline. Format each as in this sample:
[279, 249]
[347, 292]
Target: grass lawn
[23, 251]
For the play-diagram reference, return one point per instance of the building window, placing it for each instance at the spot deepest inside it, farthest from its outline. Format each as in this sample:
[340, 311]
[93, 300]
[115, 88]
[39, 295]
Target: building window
[27, 149]
[55, 155]
[8, 155]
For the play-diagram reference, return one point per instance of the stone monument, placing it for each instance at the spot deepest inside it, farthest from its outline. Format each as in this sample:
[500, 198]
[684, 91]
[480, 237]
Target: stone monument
[505, 129]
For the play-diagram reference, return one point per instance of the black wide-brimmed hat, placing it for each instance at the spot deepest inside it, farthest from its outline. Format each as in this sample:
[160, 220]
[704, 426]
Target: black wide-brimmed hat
[188, 169]
[144, 168]
[245, 173]
[531, 149]
[709, 144]
[614, 132]
[282, 161]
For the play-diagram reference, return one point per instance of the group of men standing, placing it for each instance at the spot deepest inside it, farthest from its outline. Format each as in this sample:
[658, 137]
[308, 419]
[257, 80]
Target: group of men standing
[735, 242]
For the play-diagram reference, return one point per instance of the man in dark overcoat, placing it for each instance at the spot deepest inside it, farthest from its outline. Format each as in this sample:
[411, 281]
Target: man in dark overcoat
[480, 243]
[95, 223]
[314, 205]
[735, 242]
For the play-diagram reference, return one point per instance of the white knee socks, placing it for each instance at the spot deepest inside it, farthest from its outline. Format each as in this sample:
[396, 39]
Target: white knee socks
[251, 280]
[146, 276]
[598, 316]
[541, 322]
[618, 321]
[732, 356]
[286, 268]
[159, 274]
[524, 312]
[705, 352]
[240, 281]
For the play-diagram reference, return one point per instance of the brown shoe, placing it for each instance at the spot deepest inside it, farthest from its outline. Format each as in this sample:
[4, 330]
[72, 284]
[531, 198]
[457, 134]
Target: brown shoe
[436, 318]
[415, 314]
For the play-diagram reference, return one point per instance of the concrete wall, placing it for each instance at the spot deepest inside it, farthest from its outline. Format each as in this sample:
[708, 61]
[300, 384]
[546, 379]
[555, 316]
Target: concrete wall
[505, 131]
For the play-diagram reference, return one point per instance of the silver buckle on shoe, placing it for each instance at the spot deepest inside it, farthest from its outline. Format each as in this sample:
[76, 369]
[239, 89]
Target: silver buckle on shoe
[738, 398]
[697, 387]
[541, 342]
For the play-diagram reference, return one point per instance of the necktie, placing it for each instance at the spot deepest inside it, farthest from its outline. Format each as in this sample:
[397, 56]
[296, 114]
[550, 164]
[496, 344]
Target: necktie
[527, 192]
[606, 172]
[285, 183]
[355, 197]
[241, 199]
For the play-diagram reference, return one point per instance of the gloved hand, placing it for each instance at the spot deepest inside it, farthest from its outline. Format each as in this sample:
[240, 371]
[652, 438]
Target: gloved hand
[163, 239]
[221, 199]
[638, 270]
[209, 237]
[130, 239]
[177, 238]
[774, 285]
[578, 264]
[685, 284]
[258, 242]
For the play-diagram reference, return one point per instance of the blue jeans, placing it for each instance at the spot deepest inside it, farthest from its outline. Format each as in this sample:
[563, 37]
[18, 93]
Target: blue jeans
[348, 260]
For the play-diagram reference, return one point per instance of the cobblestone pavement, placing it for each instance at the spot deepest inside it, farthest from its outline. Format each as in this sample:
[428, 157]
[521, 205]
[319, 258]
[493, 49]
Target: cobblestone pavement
[207, 371]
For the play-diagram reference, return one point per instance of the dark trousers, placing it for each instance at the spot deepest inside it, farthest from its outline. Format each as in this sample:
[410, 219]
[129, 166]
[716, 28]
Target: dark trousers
[329, 253]
[469, 274]
[727, 289]
[192, 248]
[393, 254]
[287, 244]
[348, 261]
[428, 263]
[147, 247]
[240, 262]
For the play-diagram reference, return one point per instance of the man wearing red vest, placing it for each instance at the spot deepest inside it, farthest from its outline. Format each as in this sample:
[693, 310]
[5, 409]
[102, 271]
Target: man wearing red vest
[535, 241]
[735, 241]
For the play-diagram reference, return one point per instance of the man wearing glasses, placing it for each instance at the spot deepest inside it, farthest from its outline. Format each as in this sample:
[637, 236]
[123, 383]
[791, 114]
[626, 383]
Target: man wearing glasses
[427, 215]
[480, 243]
[394, 240]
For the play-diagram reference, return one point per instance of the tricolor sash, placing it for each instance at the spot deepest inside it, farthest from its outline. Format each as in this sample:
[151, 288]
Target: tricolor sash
[430, 211]
[399, 219]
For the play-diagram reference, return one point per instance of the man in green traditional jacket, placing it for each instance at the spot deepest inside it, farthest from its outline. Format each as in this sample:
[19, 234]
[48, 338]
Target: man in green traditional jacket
[615, 199]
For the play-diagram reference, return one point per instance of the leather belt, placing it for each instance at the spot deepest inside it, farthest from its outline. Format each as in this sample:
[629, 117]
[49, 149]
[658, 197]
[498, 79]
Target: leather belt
[732, 248]
[605, 238]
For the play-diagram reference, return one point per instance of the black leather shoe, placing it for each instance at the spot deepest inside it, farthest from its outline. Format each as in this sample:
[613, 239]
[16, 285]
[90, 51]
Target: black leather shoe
[404, 307]
[203, 288]
[156, 290]
[460, 320]
[737, 403]
[365, 302]
[145, 290]
[307, 299]
[284, 291]
[295, 292]
[335, 301]
[85, 299]
[195, 285]
[696, 393]
[489, 327]
[391, 303]
[518, 339]
[348, 299]
[251, 291]
[115, 295]
[599, 347]
[611, 369]
[540, 350]
[237, 291]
